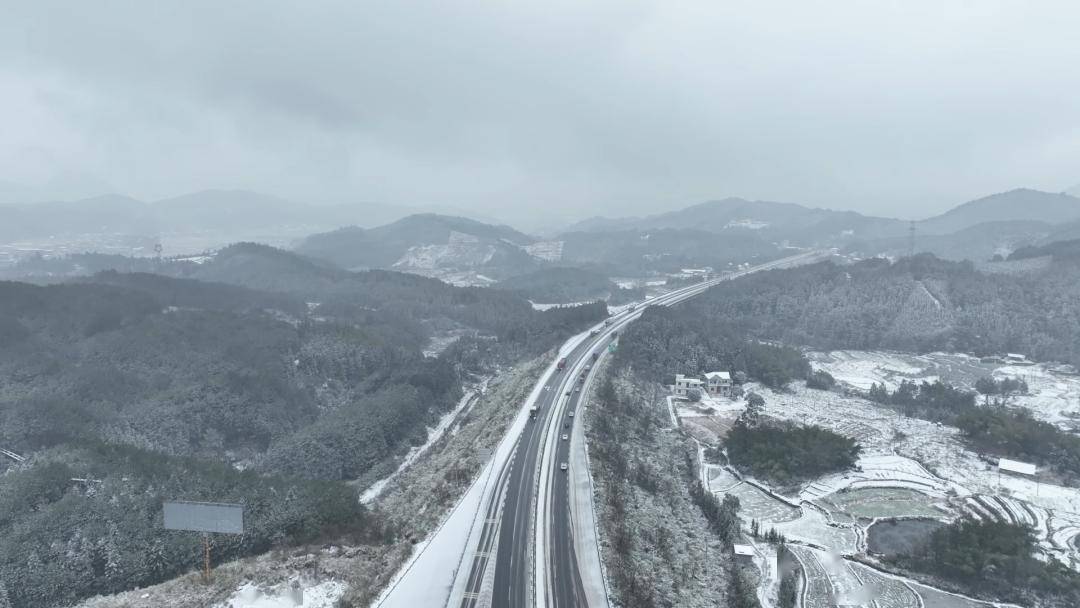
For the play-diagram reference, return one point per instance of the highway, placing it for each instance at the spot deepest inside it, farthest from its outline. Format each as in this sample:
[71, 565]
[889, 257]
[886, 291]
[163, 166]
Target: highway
[528, 528]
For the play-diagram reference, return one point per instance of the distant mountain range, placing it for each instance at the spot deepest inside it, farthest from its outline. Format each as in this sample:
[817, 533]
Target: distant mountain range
[771, 220]
[466, 251]
[220, 211]
[431, 244]
[1021, 205]
[977, 229]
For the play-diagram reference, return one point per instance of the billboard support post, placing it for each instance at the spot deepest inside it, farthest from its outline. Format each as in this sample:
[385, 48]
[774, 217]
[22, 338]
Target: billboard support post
[206, 557]
[205, 517]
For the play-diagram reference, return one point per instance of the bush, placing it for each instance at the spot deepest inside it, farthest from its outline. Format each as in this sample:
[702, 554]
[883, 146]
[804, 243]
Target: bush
[784, 454]
[820, 380]
[994, 556]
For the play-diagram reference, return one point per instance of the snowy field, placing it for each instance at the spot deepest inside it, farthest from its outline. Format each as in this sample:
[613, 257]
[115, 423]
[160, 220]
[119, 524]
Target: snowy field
[320, 595]
[1054, 395]
[909, 468]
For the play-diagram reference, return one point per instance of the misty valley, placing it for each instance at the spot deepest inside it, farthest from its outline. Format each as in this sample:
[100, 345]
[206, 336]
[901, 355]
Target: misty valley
[556, 305]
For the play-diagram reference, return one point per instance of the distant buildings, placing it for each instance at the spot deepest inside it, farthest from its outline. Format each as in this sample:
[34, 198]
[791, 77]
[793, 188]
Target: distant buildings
[685, 384]
[1008, 359]
[744, 554]
[1017, 359]
[717, 384]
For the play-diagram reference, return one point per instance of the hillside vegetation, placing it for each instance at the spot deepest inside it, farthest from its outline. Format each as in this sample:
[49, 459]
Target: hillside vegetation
[426, 241]
[999, 558]
[918, 304]
[272, 391]
[562, 285]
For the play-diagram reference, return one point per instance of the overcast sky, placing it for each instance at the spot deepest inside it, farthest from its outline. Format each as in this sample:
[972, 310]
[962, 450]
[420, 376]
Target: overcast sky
[572, 108]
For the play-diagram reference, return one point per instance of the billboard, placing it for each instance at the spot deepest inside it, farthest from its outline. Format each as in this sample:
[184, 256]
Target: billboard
[204, 517]
[1016, 466]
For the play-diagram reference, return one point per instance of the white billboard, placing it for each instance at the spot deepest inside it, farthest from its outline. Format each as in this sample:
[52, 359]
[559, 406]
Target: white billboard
[204, 517]
[1015, 466]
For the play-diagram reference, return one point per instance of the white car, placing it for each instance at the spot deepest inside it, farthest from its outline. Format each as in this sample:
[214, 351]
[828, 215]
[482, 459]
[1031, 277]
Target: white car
[571, 414]
[565, 437]
[562, 466]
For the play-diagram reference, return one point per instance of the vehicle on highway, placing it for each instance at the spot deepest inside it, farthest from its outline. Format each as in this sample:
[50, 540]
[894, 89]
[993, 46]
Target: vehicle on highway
[568, 393]
[565, 436]
[571, 414]
[563, 466]
[633, 307]
[594, 333]
[577, 389]
[532, 412]
[561, 365]
[566, 425]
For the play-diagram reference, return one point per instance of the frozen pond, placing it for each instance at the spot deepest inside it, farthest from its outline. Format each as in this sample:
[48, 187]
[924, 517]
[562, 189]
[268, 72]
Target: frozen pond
[871, 503]
[897, 537]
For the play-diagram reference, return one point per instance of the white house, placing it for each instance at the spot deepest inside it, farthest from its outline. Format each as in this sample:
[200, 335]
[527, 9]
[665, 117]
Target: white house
[684, 384]
[718, 384]
[1017, 359]
[744, 554]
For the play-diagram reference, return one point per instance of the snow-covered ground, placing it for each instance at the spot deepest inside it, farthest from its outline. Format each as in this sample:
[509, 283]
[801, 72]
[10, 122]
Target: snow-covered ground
[909, 468]
[541, 307]
[550, 251]
[1054, 396]
[433, 434]
[319, 595]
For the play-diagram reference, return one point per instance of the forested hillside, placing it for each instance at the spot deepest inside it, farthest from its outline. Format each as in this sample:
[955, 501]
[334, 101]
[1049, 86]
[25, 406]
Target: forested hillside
[152, 387]
[1063, 250]
[675, 340]
[641, 251]
[563, 285]
[426, 242]
[918, 304]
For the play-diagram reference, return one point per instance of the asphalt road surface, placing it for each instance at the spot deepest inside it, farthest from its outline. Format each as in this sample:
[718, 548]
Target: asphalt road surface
[508, 532]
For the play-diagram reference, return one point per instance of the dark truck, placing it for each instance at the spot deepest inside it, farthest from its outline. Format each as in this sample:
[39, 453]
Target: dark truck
[561, 365]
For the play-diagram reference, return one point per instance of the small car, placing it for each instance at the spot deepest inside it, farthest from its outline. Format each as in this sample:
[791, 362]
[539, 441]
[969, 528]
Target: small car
[563, 466]
[568, 393]
[571, 414]
[565, 436]
[566, 425]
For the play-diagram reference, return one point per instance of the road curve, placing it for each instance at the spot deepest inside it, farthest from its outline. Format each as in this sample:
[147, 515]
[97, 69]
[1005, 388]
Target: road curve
[528, 526]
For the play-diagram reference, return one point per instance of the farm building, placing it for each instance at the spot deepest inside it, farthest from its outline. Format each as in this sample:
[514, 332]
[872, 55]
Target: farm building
[744, 554]
[685, 384]
[718, 384]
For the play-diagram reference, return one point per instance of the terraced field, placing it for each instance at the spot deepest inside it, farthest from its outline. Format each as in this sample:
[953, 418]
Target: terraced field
[871, 503]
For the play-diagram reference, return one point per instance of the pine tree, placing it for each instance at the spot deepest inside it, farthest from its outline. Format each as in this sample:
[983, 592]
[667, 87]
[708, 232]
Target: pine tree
[5, 600]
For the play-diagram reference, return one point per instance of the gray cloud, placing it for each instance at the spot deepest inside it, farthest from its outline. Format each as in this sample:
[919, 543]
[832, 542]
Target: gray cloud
[562, 107]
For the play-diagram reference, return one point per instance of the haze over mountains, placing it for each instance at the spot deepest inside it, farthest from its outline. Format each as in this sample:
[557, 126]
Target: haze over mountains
[467, 251]
[977, 230]
[207, 210]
